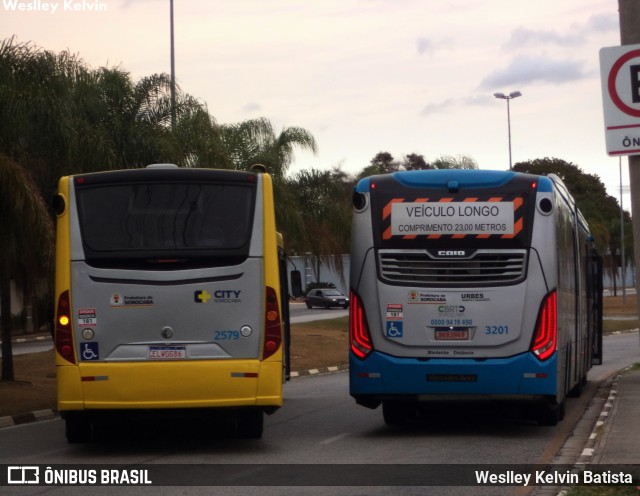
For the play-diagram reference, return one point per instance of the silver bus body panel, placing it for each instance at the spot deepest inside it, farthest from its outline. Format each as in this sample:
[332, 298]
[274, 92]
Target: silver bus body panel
[475, 308]
[194, 314]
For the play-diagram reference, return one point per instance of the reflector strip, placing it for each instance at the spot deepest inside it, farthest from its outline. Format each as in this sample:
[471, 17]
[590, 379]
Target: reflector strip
[95, 378]
[533, 375]
[370, 375]
[517, 227]
[252, 375]
[386, 211]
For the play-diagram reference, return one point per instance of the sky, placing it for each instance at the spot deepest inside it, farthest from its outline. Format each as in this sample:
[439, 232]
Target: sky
[366, 76]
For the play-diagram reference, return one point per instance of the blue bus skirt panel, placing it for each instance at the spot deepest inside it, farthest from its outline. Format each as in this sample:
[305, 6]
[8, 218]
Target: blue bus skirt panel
[381, 375]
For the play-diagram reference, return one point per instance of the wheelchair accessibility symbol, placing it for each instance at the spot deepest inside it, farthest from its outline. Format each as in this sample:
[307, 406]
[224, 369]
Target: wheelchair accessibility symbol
[394, 329]
[90, 351]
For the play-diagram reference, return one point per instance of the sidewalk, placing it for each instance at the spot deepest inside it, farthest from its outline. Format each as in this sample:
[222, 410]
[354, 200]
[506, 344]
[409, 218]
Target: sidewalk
[619, 443]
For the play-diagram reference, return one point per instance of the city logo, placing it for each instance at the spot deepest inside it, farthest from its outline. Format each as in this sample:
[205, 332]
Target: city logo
[201, 296]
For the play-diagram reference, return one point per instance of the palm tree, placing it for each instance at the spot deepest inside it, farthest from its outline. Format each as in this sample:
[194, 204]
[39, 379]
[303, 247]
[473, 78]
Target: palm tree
[255, 142]
[323, 226]
[58, 117]
[27, 246]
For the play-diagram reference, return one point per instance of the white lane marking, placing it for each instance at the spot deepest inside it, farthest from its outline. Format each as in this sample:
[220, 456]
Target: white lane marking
[335, 438]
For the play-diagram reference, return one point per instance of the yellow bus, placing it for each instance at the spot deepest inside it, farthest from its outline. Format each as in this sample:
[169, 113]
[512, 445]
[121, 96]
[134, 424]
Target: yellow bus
[170, 296]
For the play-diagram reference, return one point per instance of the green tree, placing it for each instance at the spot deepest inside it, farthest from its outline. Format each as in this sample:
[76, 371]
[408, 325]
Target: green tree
[256, 142]
[58, 116]
[454, 162]
[601, 210]
[324, 209]
[26, 252]
[414, 161]
[382, 163]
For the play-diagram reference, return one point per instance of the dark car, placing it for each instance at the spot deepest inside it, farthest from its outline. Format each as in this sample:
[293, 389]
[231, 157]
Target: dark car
[326, 298]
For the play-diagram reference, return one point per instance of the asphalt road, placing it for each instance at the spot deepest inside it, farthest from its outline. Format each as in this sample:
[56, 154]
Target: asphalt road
[319, 424]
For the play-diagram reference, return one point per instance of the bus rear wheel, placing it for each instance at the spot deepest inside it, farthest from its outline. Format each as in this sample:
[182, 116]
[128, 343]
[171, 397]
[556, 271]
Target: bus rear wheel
[398, 412]
[250, 424]
[78, 427]
[550, 413]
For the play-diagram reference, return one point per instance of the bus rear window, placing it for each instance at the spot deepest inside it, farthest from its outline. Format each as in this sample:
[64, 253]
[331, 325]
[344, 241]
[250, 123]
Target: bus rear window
[165, 221]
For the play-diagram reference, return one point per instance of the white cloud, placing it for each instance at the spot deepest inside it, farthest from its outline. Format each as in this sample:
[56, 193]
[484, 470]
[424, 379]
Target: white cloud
[522, 37]
[572, 35]
[603, 23]
[251, 107]
[526, 69]
[434, 108]
[473, 100]
[424, 45]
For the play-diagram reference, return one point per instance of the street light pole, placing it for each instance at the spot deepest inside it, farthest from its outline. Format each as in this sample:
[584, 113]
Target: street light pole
[510, 96]
[173, 75]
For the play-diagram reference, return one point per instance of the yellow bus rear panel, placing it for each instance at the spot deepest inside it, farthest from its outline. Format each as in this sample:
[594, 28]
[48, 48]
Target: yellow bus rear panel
[168, 385]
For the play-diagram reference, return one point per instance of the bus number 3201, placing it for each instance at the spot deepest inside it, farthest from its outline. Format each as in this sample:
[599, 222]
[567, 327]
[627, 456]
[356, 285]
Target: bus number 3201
[496, 329]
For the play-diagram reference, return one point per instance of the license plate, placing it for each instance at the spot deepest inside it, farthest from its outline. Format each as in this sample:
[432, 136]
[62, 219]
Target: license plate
[452, 378]
[167, 352]
[452, 334]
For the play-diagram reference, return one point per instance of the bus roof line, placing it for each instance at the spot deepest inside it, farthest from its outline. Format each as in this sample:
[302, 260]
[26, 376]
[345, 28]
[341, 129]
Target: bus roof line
[442, 178]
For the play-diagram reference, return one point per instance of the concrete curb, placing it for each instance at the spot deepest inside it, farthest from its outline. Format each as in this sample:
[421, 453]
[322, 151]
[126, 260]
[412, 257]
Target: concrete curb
[323, 370]
[577, 452]
[25, 418]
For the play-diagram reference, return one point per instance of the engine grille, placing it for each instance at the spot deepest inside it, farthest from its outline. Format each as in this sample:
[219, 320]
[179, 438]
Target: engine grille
[484, 267]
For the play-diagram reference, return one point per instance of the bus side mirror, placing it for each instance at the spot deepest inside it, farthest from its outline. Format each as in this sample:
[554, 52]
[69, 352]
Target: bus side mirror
[296, 284]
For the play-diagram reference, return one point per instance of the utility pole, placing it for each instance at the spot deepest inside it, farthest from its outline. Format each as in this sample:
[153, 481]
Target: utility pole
[173, 74]
[629, 11]
[623, 255]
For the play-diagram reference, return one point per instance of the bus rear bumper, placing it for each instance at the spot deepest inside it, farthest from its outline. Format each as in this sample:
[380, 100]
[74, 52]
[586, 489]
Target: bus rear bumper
[381, 377]
[170, 385]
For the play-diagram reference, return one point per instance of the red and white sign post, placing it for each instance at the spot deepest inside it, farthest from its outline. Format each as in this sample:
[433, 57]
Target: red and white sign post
[620, 76]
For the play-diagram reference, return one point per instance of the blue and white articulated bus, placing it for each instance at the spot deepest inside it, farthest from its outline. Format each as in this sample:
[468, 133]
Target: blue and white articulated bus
[471, 285]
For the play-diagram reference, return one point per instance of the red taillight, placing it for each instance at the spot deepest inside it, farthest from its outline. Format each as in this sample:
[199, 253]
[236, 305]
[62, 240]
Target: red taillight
[358, 329]
[272, 327]
[63, 335]
[545, 338]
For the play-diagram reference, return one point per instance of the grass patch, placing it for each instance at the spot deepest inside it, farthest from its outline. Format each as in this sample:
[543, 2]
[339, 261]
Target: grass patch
[609, 326]
[35, 385]
[633, 368]
[612, 305]
[322, 343]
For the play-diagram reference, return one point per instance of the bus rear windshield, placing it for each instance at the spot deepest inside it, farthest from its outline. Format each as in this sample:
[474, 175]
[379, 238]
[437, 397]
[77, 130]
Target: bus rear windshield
[166, 223]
